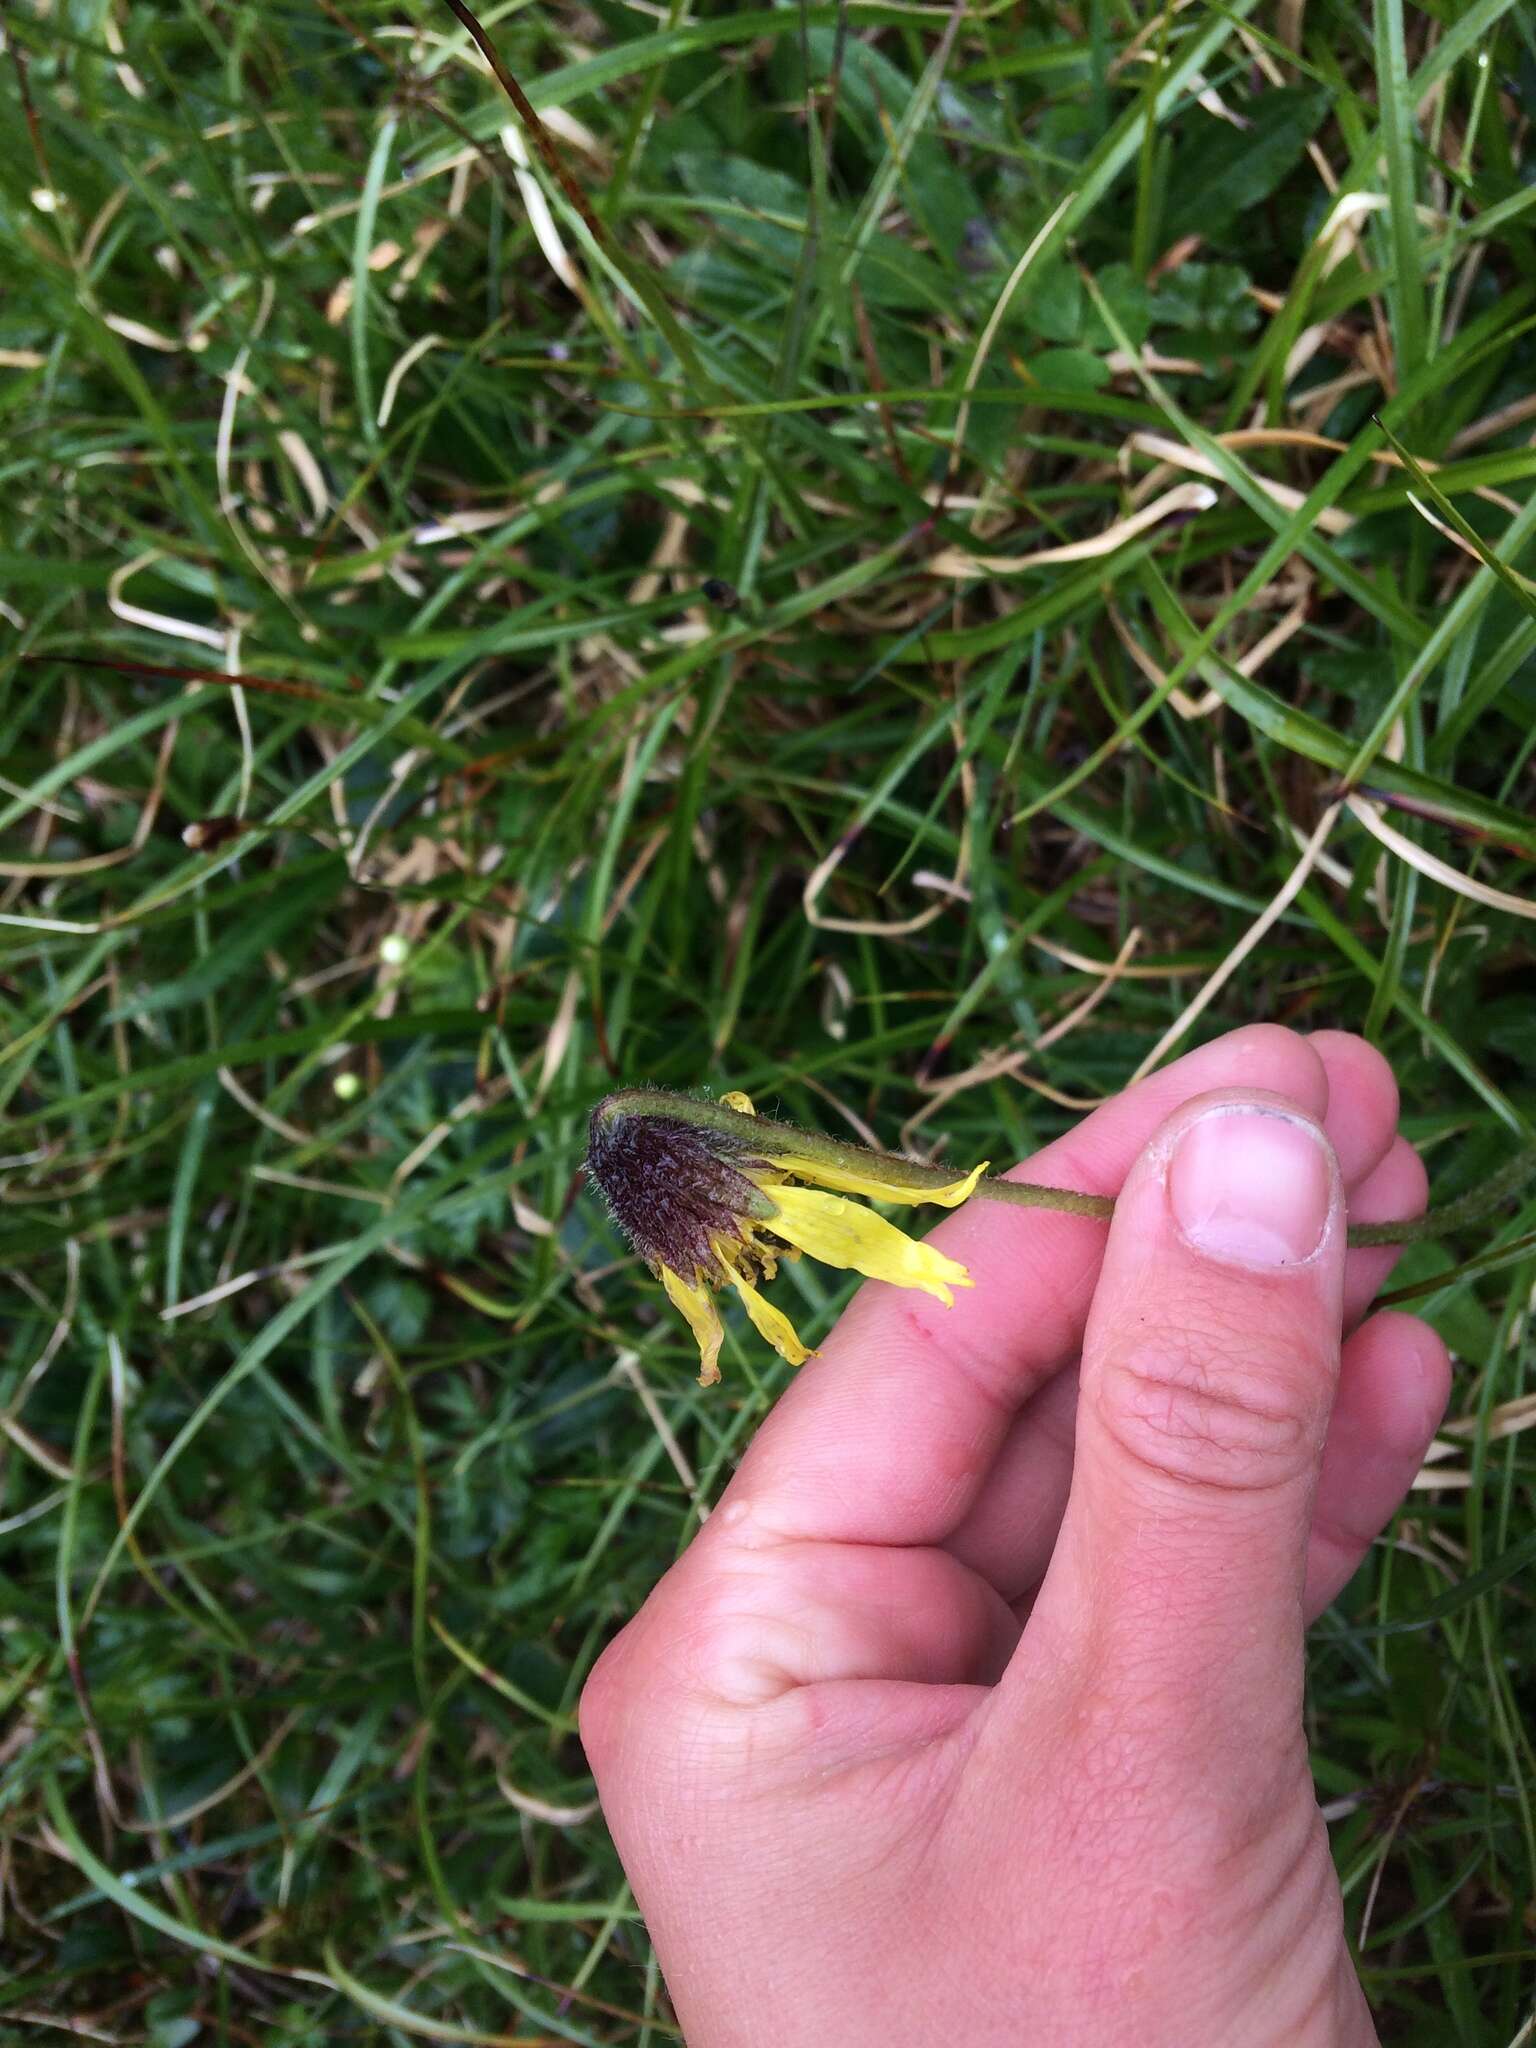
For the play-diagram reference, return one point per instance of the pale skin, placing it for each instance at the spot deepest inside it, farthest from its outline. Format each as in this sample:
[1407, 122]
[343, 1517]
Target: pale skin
[973, 1713]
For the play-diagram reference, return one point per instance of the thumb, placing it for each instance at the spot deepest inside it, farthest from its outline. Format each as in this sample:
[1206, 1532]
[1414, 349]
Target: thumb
[1208, 1373]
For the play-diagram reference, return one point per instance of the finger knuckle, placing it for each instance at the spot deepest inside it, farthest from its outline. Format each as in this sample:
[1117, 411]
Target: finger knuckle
[742, 1642]
[605, 1702]
[1209, 1415]
[707, 1641]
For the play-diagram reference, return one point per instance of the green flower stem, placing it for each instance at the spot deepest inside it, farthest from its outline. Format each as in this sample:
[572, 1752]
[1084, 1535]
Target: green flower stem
[788, 1142]
[1469, 1208]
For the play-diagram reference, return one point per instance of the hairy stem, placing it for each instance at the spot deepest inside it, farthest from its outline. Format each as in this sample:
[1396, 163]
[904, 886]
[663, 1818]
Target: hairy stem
[783, 1143]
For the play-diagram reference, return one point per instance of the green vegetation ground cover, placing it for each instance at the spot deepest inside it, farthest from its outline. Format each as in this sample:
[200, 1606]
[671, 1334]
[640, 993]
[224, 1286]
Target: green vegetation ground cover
[638, 686]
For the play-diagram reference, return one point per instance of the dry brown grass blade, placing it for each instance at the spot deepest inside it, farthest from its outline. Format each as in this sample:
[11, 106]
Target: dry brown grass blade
[958, 563]
[1433, 867]
[1262, 924]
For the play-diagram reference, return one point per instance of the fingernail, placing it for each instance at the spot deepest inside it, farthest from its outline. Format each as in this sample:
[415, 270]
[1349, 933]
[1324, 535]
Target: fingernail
[1251, 1185]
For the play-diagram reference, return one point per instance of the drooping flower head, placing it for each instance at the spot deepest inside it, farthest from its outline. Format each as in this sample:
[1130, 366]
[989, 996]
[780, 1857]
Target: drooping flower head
[708, 1194]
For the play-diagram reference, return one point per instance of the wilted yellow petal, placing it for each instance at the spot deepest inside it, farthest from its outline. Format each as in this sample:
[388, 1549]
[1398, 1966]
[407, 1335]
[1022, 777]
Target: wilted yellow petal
[850, 1181]
[954, 1192]
[842, 1234]
[769, 1321]
[734, 1099]
[698, 1309]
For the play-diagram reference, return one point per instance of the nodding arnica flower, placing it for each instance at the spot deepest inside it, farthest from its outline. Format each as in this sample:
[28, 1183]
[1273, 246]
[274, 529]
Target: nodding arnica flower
[710, 1195]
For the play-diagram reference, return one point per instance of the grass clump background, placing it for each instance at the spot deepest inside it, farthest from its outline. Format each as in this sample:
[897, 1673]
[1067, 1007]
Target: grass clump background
[913, 599]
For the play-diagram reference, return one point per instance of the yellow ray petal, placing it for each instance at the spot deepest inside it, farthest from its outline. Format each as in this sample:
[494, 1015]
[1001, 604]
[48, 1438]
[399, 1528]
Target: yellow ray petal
[850, 1181]
[698, 1310]
[842, 1234]
[734, 1099]
[770, 1322]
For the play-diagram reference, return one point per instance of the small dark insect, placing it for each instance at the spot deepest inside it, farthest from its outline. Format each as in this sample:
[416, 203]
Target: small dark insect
[978, 245]
[720, 593]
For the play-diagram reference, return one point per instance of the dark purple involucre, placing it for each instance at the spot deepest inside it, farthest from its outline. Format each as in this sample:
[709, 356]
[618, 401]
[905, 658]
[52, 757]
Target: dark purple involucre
[670, 1186]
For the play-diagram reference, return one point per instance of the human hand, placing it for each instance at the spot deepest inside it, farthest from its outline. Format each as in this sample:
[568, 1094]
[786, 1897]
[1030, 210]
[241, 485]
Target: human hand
[973, 1714]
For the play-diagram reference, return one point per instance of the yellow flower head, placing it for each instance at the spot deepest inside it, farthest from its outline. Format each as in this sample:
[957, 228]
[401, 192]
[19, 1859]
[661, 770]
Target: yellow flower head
[710, 1197]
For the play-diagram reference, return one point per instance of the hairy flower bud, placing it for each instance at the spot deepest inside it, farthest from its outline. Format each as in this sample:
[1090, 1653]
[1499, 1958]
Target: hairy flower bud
[671, 1187]
[707, 1195]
